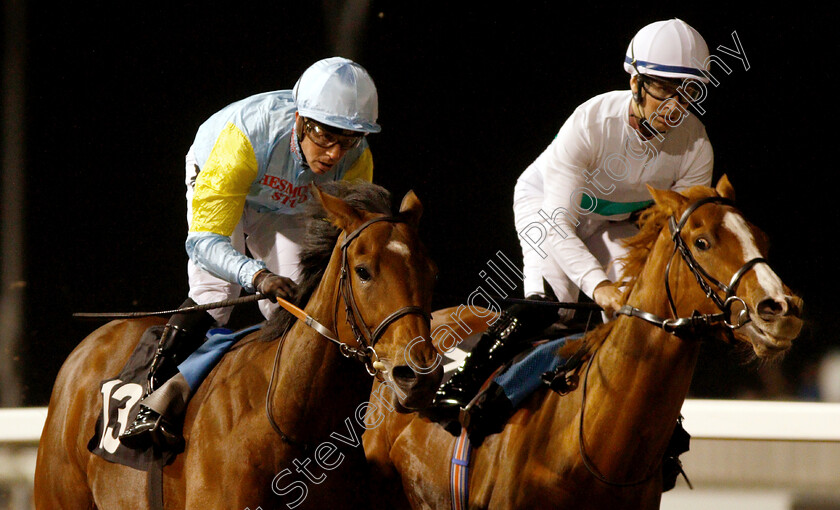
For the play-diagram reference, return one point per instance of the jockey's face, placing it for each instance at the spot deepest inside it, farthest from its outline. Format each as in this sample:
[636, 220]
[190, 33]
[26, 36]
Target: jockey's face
[660, 104]
[322, 146]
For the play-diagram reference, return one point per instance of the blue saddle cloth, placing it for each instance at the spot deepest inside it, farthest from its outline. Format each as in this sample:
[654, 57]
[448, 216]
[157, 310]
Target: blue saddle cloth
[198, 364]
[524, 375]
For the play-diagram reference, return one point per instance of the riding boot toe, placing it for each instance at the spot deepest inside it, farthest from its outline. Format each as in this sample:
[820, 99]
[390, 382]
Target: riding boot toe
[451, 396]
[150, 428]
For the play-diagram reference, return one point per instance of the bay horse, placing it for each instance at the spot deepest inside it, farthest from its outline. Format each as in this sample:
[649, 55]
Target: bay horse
[272, 422]
[601, 446]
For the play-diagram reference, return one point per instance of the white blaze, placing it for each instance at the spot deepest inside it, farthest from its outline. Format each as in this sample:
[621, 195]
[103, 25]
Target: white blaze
[398, 247]
[768, 280]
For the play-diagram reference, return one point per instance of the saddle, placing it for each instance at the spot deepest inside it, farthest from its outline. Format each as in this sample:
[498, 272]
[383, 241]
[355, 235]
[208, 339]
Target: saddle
[535, 367]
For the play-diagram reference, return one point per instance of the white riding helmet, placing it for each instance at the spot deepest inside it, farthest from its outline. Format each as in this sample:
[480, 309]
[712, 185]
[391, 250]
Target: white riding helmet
[670, 49]
[339, 93]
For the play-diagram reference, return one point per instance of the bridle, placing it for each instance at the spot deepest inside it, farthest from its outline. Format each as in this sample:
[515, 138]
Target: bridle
[683, 326]
[366, 339]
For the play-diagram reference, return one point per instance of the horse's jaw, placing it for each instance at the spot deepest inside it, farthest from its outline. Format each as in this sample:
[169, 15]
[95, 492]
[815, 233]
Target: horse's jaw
[771, 339]
[773, 324]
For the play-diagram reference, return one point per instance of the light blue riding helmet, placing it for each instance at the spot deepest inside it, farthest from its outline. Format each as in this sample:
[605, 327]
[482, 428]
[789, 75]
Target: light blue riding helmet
[340, 93]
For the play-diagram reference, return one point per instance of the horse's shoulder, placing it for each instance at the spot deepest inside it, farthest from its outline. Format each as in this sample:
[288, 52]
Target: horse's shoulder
[241, 376]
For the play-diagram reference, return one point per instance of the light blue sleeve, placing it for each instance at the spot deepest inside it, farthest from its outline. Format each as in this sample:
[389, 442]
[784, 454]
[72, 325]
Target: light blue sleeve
[215, 254]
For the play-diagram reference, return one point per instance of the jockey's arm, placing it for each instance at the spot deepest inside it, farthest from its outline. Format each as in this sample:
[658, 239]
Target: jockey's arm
[217, 206]
[562, 165]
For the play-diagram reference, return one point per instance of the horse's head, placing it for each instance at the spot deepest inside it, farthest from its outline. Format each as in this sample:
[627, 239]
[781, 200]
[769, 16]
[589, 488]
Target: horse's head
[728, 254]
[387, 283]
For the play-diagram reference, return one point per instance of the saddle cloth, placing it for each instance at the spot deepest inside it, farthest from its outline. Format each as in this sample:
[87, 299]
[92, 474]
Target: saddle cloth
[121, 395]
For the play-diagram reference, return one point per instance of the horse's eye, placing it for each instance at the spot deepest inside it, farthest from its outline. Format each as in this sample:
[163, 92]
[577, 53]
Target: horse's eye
[362, 273]
[701, 243]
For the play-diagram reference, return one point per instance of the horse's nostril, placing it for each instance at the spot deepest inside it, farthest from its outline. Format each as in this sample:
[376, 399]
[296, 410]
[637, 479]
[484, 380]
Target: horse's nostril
[769, 308]
[404, 373]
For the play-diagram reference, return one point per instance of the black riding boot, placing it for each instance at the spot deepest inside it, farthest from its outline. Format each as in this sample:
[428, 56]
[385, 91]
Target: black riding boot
[505, 338]
[160, 411]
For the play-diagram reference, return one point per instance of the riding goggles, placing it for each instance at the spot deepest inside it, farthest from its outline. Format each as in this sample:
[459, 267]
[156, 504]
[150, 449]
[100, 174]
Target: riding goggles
[325, 138]
[685, 91]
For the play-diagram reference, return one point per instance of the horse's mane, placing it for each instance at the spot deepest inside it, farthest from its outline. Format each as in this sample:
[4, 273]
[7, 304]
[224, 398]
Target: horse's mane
[319, 242]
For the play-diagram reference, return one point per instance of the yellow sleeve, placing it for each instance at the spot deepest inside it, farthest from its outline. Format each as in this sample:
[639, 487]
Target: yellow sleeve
[223, 183]
[362, 168]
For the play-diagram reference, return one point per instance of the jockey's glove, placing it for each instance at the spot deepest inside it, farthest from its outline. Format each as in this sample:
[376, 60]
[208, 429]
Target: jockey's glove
[274, 286]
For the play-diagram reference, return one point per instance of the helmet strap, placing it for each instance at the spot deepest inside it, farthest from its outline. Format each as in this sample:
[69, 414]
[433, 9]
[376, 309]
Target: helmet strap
[645, 127]
[299, 134]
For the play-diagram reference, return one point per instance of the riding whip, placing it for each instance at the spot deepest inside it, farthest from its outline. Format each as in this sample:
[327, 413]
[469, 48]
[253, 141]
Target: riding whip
[294, 310]
[556, 304]
[186, 309]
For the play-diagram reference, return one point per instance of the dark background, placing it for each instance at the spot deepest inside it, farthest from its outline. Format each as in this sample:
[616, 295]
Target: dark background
[469, 96]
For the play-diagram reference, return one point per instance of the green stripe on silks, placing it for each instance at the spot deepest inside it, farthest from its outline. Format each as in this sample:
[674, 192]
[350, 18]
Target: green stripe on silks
[607, 208]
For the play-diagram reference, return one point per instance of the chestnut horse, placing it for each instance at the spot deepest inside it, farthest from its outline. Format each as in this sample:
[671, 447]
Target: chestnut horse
[601, 446]
[276, 421]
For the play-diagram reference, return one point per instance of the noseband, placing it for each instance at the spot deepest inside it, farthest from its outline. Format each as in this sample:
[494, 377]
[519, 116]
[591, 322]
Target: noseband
[680, 325]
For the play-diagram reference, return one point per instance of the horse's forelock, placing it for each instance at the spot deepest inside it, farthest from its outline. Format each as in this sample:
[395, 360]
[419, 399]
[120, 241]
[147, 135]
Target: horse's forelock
[319, 241]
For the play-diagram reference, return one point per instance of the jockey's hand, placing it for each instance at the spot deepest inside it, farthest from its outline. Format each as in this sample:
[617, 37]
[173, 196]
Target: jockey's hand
[608, 297]
[274, 286]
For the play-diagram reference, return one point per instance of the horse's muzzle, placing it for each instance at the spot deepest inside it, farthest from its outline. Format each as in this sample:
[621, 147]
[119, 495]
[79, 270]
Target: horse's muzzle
[416, 390]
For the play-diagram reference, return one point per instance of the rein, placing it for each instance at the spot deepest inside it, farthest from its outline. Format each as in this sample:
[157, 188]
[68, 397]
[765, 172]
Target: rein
[365, 339]
[587, 462]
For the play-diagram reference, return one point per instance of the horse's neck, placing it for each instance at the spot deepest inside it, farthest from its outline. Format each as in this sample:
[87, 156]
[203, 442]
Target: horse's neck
[636, 384]
[317, 387]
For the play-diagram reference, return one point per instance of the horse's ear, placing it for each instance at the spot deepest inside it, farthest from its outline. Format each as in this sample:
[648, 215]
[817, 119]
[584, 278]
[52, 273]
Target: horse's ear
[411, 208]
[724, 188]
[340, 213]
[669, 200]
